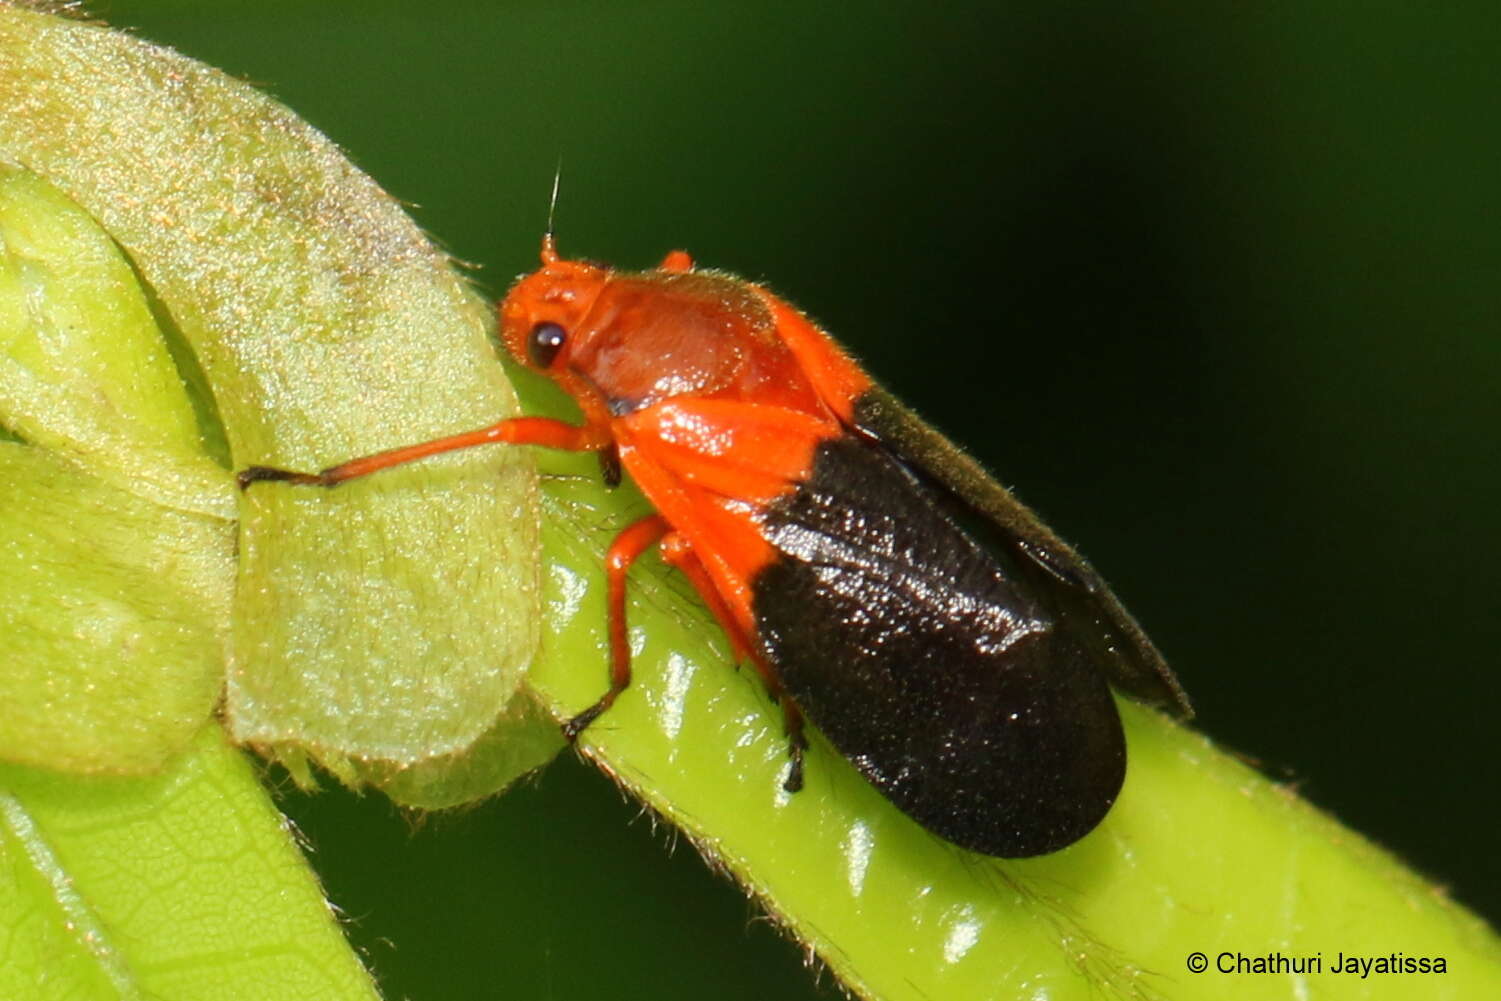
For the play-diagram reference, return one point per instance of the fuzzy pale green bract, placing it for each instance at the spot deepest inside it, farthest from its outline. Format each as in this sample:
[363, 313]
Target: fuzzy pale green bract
[292, 281]
[116, 530]
[381, 629]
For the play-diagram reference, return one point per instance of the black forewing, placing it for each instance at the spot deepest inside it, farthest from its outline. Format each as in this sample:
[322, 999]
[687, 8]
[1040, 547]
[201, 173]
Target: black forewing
[1082, 598]
[925, 661]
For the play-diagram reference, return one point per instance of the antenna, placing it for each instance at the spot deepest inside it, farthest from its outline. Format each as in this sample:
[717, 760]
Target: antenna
[549, 242]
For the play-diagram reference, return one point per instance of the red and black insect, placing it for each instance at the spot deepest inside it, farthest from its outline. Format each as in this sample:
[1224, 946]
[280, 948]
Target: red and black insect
[821, 522]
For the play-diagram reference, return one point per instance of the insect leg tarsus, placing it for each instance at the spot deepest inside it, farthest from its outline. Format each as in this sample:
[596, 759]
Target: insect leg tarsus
[260, 474]
[609, 465]
[797, 744]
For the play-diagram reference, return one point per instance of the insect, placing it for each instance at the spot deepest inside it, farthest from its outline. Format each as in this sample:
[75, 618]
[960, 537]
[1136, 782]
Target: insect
[820, 521]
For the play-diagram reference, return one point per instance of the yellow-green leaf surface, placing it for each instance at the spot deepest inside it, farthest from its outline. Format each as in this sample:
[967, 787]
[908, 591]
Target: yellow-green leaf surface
[85, 371]
[112, 609]
[184, 885]
[373, 628]
[116, 538]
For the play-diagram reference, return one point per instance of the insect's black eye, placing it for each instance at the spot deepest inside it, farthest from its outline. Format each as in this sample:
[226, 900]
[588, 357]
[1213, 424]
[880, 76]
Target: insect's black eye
[545, 343]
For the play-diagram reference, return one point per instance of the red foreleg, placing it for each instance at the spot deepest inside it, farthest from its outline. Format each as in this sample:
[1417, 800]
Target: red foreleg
[542, 431]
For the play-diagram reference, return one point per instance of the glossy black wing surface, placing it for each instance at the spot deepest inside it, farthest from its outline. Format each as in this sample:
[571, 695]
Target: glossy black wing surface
[971, 704]
[1082, 598]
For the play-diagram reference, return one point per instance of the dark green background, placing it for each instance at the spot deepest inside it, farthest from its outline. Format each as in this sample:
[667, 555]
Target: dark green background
[1215, 289]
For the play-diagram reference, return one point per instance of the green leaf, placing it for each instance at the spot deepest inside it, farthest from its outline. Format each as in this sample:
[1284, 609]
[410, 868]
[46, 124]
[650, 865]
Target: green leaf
[184, 885]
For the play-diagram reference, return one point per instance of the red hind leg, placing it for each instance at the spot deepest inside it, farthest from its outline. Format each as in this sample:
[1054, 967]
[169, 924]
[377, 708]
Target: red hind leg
[676, 551]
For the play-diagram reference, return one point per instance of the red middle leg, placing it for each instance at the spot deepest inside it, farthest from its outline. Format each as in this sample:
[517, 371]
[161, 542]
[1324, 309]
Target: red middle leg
[632, 541]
